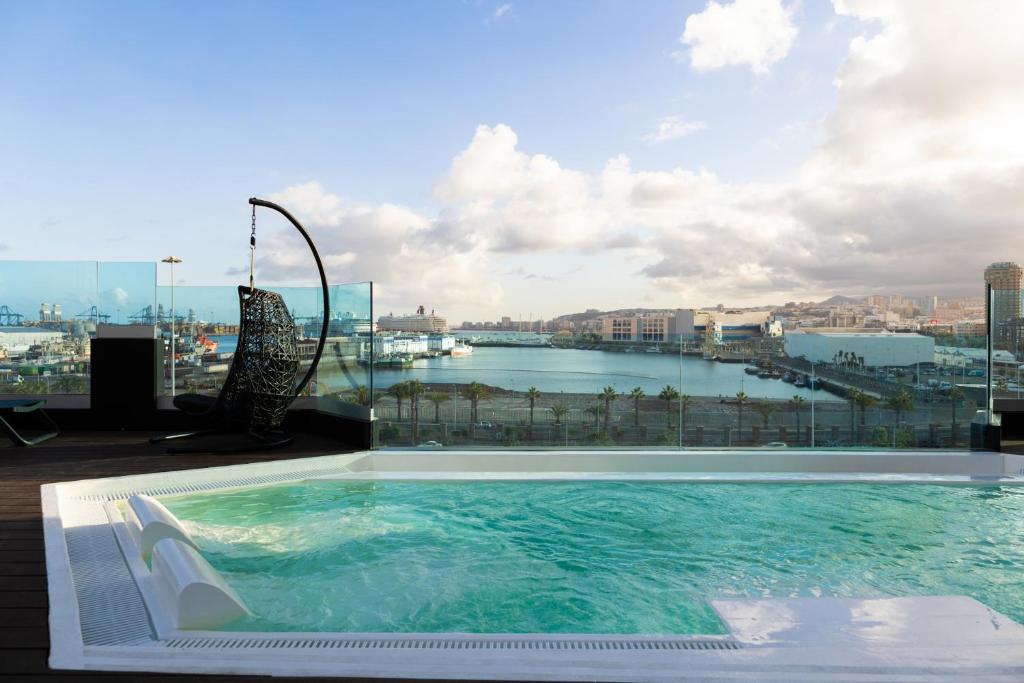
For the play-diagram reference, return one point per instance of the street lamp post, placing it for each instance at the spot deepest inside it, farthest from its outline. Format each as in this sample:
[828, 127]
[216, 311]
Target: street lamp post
[172, 260]
[813, 382]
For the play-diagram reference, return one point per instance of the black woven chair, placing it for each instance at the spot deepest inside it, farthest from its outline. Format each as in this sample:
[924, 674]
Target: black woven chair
[261, 382]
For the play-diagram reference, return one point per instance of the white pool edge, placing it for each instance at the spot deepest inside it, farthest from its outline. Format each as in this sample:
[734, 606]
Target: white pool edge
[533, 656]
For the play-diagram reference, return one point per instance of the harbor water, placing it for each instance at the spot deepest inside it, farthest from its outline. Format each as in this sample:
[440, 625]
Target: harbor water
[553, 370]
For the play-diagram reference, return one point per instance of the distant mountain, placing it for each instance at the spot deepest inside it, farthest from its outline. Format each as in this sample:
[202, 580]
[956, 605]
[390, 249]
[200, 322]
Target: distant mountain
[839, 300]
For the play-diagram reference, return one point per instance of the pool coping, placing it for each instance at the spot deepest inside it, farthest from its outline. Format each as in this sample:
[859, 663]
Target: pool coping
[95, 627]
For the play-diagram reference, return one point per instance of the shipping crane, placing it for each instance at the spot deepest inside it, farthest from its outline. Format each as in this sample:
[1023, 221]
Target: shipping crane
[9, 317]
[144, 316]
[93, 313]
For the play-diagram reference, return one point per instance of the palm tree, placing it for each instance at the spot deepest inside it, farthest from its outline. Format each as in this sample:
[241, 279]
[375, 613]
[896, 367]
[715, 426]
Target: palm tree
[797, 402]
[765, 410]
[558, 411]
[636, 394]
[741, 400]
[596, 412]
[668, 394]
[532, 394]
[437, 398]
[414, 388]
[362, 396]
[956, 394]
[852, 397]
[865, 401]
[399, 392]
[607, 395]
[685, 401]
[899, 403]
[475, 392]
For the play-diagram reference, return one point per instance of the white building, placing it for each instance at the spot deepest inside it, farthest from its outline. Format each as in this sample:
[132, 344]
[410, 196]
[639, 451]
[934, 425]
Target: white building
[440, 342]
[876, 349]
[690, 324]
[965, 357]
[20, 338]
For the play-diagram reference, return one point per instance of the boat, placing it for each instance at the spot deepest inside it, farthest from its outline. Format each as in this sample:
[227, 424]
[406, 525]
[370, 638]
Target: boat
[206, 344]
[751, 370]
[461, 349]
[787, 376]
[653, 349]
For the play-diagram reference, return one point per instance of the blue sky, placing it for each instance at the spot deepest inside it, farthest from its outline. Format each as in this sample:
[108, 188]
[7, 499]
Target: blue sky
[133, 130]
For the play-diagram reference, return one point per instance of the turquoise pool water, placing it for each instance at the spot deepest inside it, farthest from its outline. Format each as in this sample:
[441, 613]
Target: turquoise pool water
[594, 557]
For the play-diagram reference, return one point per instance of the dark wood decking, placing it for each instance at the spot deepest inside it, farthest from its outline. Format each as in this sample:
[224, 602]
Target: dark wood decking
[24, 632]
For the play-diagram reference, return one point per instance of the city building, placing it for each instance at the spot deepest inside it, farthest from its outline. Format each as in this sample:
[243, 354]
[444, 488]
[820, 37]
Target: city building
[1011, 335]
[1005, 281]
[440, 342]
[20, 338]
[403, 344]
[967, 357]
[870, 349]
[417, 322]
[692, 324]
[689, 324]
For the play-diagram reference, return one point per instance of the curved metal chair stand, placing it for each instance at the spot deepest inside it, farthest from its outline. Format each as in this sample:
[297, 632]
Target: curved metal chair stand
[261, 381]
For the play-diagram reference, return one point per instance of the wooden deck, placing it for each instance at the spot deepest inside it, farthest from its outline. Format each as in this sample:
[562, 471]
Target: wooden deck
[24, 632]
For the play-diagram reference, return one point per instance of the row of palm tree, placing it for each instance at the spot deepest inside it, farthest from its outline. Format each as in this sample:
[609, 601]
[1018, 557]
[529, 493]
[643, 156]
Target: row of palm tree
[413, 390]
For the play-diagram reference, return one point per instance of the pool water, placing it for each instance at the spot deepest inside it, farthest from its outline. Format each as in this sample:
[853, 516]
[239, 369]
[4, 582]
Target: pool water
[594, 557]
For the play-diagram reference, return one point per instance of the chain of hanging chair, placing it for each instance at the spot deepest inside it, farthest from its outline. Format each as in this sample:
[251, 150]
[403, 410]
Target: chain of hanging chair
[255, 201]
[252, 250]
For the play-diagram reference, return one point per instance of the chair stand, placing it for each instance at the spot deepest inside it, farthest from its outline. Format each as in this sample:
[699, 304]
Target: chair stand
[181, 435]
[253, 442]
[33, 406]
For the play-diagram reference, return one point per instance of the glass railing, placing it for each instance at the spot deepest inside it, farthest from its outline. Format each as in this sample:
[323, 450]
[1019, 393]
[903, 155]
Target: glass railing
[49, 311]
[749, 379]
[206, 334]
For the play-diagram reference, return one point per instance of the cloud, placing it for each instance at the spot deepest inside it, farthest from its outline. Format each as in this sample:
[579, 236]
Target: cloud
[512, 201]
[410, 257]
[120, 296]
[754, 33]
[913, 187]
[672, 128]
[500, 11]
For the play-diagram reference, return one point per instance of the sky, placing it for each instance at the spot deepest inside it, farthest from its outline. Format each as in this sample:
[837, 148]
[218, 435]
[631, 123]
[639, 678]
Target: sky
[486, 158]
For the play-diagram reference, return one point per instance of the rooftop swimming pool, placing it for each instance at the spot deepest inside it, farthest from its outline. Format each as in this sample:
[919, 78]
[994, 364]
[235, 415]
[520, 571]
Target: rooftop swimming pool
[548, 565]
[594, 557]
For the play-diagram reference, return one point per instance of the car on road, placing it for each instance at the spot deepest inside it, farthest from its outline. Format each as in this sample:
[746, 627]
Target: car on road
[430, 444]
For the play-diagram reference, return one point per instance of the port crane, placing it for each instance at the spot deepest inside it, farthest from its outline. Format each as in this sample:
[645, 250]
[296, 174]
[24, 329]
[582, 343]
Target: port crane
[93, 313]
[9, 317]
[145, 316]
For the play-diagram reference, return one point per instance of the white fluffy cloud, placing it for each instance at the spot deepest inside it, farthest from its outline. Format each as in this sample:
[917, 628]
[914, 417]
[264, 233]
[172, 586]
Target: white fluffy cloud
[409, 256]
[672, 128]
[914, 188]
[754, 33]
